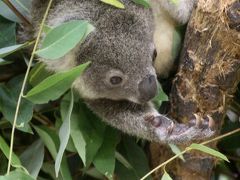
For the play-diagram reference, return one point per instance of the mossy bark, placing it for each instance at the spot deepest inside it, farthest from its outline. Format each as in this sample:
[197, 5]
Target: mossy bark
[206, 81]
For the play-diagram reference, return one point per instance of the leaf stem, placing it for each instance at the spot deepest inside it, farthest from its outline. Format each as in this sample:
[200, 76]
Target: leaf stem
[221, 137]
[189, 149]
[24, 84]
[165, 163]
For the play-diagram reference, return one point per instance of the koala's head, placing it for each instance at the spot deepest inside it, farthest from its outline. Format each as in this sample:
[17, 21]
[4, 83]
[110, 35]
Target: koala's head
[121, 52]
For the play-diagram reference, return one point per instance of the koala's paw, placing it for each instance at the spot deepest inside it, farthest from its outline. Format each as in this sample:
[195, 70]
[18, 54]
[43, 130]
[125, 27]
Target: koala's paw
[168, 131]
[160, 121]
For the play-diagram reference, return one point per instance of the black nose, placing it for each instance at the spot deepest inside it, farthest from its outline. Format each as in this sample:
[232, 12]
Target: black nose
[148, 88]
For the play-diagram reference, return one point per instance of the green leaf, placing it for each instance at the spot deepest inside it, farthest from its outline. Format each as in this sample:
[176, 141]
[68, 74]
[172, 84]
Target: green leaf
[177, 41]
[208, 150]
[16, 175]
[125, 173]
[3, 62]
[5, 149]
[54, 86]
[7, 13]
[176, 150]
[175, 1]
[48, 168]
[11, 49]
[22, 6]
[87, 132]
[145, 3]
[38, 74]
[51, 141]
[114, 3]
[166, 176]
[93, 173]
[136, 157]
[8, 102]
[104, 160]
[46, 28]
[159, 98]
[32, 158]
[123, 160]
[64, 134]
[63, 38]
[7, 33]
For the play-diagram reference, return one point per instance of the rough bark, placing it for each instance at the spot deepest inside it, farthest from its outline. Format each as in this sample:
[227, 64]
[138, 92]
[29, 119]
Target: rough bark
[206, 80]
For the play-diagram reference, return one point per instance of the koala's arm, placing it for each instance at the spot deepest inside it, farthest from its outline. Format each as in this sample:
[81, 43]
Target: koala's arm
[145, 122]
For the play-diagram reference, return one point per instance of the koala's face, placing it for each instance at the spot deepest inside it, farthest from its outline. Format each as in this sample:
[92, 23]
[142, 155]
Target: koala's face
[122, 52]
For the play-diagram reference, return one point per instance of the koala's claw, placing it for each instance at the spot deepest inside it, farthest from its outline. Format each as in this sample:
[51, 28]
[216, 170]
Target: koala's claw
[211, 123]
[198, 120]
[154, 120]
[170, 128]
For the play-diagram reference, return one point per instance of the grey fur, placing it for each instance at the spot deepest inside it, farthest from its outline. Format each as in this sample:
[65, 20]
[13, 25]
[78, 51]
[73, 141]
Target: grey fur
[122, 43]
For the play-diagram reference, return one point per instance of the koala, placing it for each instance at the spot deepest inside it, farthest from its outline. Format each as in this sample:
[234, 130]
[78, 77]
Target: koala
[167, 16]
[121, 80]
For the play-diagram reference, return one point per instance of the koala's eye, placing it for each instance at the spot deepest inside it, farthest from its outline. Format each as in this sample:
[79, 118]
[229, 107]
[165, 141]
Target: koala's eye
[115, 80]
[154, 55]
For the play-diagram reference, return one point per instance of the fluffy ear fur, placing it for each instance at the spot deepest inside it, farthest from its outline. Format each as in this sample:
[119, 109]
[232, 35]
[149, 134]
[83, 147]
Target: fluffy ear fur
[122, 45]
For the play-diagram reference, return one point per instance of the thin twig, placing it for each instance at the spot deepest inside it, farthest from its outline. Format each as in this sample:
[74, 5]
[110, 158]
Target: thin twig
[23, 86]
[189, 149]
[164, 164]
[17, 13]
[222, 136]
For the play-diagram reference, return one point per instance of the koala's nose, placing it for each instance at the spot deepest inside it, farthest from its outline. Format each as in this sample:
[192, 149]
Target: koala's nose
[147, 88]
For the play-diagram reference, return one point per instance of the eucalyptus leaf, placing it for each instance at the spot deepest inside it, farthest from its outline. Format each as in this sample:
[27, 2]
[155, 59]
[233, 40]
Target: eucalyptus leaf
[166, 176]
[114, 3]
[38, 74]
[175, 149]
[32, 158]
[7, 33]
[145, 3]
[208, 150]
[175, 1]
[177, 41]
[51, 141]
[16, 175]
[22, 6]
[125, 173]
[54, 86]
[8, 102]
[87, 132]
[4, 62]
[123, 160]
[63, 38]
[7, 13]
[159, 98]
[5, 149]
[64, 134]
[136, 157]
[11, 49]
[104, 160]
[76, 134]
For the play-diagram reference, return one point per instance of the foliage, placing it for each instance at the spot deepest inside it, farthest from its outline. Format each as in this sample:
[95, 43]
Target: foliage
[57, 136]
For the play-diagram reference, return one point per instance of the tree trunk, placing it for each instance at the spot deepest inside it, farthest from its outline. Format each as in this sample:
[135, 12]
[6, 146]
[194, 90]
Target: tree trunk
[206, 81]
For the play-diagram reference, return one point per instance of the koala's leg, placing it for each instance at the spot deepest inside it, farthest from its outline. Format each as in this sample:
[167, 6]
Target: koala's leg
[145, 122]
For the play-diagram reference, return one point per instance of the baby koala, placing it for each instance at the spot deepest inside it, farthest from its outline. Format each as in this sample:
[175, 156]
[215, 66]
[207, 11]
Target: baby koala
[121, 80]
